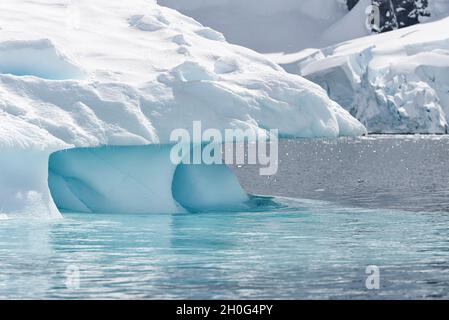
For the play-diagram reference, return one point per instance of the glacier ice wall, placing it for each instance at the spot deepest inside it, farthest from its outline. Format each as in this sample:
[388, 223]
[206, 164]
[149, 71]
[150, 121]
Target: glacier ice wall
[397, 82]
[100, 73]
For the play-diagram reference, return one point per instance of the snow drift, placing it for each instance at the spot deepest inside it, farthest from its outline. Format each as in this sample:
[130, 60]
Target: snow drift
[101, 73]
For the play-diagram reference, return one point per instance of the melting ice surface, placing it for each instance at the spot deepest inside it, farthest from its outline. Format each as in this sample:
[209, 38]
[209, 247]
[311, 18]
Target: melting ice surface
[300, 249]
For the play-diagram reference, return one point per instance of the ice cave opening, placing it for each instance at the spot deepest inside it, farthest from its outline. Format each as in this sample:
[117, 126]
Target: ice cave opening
[139, 179]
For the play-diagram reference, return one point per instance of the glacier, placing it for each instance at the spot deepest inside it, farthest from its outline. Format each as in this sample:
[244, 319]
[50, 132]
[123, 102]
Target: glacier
[395, 82]
[102, 74]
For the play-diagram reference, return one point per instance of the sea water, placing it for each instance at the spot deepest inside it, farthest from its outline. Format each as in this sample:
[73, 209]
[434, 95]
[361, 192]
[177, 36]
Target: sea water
[300, 249]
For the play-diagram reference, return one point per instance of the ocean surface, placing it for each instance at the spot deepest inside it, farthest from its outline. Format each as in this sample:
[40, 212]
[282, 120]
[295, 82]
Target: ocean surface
[380, 201]
[391, 171]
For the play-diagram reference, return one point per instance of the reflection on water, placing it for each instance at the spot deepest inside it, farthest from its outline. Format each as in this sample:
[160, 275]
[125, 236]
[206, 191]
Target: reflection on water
[305, 250]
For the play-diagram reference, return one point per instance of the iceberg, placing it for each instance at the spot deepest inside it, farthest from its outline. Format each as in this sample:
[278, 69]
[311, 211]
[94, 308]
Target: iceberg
[100, 76]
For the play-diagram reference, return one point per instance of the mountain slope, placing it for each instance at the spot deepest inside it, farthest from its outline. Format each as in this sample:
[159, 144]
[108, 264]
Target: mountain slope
[287, 26]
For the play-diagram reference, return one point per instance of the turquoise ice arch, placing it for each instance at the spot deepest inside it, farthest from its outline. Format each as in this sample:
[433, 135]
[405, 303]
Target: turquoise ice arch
[139, 179]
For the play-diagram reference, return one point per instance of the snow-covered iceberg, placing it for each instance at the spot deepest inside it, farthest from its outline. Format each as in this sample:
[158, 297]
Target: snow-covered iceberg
[77, 74]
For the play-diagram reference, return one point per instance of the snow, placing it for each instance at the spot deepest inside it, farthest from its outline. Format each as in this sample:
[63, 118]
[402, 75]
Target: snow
[392, 83]
[285, 27]
[267, 26]
[95, 73]
[439, 9]
[395, 82]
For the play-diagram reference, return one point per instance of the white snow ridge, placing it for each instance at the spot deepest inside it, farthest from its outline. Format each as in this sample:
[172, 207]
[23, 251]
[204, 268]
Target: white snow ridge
[126, 73]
